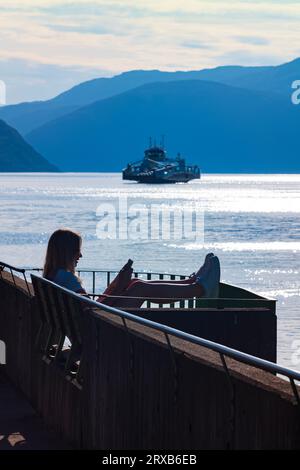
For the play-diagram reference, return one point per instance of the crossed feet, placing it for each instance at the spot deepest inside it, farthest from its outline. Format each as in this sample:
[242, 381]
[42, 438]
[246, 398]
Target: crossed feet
[208, 276]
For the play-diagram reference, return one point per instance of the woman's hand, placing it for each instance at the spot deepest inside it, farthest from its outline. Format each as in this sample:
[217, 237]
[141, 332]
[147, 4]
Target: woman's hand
[125, 275]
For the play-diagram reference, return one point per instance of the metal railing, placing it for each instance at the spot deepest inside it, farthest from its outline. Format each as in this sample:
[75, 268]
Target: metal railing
[222, 350]
[102, 278]
[106, 276]
[13, 269]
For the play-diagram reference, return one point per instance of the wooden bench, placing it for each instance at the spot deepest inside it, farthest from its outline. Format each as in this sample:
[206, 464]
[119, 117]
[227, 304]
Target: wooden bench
[60, 322]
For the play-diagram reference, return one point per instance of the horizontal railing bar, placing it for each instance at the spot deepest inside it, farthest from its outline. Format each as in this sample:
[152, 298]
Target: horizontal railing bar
[219, 348]
[111, 271]
[105, 271]
[8, 266]
[146, 273]
[178, 299]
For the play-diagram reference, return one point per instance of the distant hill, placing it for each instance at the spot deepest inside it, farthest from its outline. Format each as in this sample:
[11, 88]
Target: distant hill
[275, 79]
[28, 116]
[221, 128]
[18, 155]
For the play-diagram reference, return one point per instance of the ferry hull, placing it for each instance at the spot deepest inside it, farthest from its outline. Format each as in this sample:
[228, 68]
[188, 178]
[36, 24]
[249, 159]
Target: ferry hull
[152, 179]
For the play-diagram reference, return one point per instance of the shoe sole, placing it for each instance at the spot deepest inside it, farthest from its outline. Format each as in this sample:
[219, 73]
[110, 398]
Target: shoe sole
[207, 258]
[216, 266]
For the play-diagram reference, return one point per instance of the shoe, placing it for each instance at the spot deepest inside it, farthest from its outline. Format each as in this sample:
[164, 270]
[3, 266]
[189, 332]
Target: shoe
[203, 268]
[210, 279]
[216, 290]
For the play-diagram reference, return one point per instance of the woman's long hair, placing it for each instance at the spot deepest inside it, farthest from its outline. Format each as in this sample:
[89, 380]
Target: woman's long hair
[63, 246]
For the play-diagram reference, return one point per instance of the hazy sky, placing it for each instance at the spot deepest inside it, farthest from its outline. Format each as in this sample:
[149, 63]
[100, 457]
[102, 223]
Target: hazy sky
[49, 45]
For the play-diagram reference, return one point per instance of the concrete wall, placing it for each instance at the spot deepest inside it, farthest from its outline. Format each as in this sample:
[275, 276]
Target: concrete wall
[251, 330]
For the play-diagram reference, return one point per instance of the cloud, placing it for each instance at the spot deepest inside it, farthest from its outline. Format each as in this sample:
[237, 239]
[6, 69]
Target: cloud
[246, 57]
[255, 40]
[28, 80]
[84, 37]
[79, 28]
[196, 45]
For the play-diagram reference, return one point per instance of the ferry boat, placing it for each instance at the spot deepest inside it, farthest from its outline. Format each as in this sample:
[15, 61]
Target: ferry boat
[156, 167]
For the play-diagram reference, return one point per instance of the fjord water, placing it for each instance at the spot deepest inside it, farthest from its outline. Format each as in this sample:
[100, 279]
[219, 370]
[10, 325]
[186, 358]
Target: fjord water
[252, 222]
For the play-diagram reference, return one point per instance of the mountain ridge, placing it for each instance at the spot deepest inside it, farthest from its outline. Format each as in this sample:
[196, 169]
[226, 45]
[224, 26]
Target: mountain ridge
[28, 116]
[16, 155]
[198, 117]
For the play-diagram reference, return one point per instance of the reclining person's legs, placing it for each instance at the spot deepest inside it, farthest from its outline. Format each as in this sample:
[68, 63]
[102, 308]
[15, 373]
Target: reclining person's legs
[163, 292]
[160, 293]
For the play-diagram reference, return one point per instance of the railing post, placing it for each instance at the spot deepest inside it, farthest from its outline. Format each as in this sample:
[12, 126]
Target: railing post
[295, 391]
[94, 282]
[149, 278]
[172, 277]
[173, 358]
[232, 403]
[131, 350]
[182, 302]
[161, 277]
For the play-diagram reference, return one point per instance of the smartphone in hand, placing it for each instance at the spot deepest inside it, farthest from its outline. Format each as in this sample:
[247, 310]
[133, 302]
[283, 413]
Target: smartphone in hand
[128, 265]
